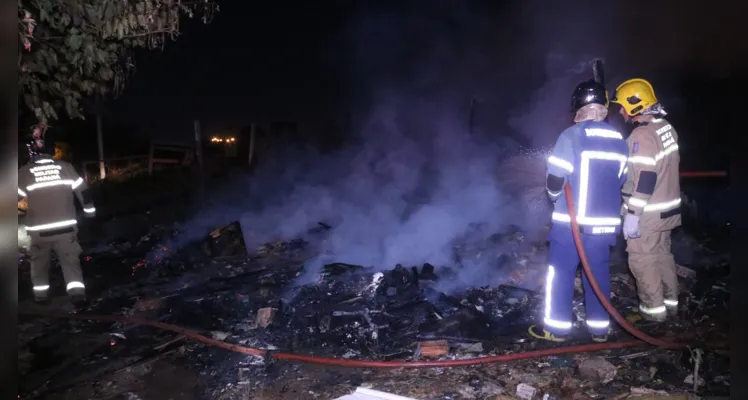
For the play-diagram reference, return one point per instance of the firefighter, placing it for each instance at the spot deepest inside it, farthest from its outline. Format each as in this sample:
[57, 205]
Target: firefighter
[651, 198]
[49, 185]
[591, 156]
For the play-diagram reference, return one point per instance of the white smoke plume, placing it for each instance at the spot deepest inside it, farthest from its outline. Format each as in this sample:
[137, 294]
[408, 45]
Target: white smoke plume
[416, 179]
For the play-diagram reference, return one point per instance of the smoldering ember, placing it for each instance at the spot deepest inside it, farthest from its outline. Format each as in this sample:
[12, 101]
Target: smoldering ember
[360, 200]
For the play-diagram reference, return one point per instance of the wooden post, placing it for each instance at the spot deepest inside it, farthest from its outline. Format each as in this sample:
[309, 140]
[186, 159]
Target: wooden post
[150, 159]
[198, 145]
[252, 133]
[199, 154]
[99, 138]
[85, 173]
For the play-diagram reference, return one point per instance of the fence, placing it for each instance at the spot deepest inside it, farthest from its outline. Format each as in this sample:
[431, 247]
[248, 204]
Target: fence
[117, 168]
[160, 153]
[170, 153]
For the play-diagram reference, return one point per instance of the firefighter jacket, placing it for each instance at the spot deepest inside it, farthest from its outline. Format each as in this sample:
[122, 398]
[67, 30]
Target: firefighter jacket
[49, 185]
[591, 157]
[652, 187]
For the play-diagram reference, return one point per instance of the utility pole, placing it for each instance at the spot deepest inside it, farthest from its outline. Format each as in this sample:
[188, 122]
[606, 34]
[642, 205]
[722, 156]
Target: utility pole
[252, 134]
[198, 145]
[99, 137]
[199, 156]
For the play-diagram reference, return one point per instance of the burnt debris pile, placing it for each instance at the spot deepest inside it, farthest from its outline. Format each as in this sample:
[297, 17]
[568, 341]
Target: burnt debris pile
[345, 310]
[276, 297]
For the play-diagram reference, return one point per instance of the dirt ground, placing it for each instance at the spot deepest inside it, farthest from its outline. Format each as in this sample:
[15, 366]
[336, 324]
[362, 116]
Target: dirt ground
[64, 359]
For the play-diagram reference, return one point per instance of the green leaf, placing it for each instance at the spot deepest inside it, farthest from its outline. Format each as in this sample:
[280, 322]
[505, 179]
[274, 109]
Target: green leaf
[86, 48]
[74, 42]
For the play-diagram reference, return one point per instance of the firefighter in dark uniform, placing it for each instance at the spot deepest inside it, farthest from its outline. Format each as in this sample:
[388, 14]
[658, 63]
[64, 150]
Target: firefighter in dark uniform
[48, 186]
[591, 155]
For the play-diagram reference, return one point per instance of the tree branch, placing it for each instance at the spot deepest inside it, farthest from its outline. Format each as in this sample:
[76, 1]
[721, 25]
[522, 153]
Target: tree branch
[76, 50]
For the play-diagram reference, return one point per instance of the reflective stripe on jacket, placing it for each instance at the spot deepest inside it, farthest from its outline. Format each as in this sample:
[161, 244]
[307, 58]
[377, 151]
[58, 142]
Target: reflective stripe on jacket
[49, 186]
[591, 156]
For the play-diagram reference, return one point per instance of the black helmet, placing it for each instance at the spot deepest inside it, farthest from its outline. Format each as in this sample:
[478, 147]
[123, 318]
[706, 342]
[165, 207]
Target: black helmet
[39, 142]
[588, 92]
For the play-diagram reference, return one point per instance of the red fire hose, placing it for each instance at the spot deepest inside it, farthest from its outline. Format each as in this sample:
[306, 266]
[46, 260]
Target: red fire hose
[339, 362]
[596, 288]
[415, 364]
[703, 174]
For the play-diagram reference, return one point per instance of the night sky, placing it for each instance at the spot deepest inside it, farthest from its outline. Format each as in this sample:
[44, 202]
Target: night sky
[284, 61]
[256, 58]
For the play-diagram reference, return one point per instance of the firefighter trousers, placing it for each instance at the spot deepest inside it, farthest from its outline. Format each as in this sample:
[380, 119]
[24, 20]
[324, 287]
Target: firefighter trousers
[652, 264]
[563, 261]
[68, 252]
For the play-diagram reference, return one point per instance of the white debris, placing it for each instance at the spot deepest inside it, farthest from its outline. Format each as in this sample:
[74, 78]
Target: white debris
[363, 393]
[641, 391]
[525, 391]
[375, 282]
[349, 354]
[689, 380]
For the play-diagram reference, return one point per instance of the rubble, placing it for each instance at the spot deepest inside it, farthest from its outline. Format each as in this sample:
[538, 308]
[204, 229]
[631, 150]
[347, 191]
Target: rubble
[599, 369]
[265, 317]
[433, 348]
[526, 392]
[684, 272]
[360, 312]
[147, 305]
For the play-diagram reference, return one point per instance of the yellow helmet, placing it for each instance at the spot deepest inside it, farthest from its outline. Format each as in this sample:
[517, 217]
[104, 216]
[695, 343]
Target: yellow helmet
[635, 95]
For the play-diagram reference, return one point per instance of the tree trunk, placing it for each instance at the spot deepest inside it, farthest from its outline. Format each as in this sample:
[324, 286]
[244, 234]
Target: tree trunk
[100, 140]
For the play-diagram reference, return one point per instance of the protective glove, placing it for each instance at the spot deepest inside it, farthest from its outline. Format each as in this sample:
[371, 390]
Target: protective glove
[631, 227]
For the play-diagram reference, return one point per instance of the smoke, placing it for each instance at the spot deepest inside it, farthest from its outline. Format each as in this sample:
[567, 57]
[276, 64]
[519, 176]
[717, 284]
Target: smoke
[403, 197]
[415, 179]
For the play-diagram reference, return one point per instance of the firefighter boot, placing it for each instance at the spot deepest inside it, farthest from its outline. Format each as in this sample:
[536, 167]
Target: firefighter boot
[600, 338]
[653, 317]
[542, 334]
[672, 312]
[79, 300]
